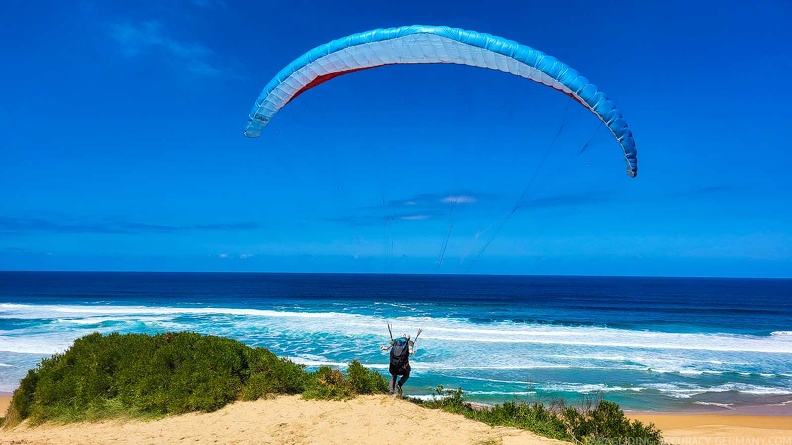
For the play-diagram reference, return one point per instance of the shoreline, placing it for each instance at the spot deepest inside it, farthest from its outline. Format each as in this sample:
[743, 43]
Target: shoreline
[784, 410]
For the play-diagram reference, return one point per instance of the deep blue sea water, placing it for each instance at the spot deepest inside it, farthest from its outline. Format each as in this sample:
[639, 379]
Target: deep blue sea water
[653, 344]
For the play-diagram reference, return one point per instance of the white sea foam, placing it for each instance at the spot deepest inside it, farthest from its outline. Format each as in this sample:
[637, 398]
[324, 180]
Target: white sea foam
[480, 379]
[606, 337]
[585, 388]
[500, 393]
[440, 329]
[47, 311]
[751, 389]
[674, 391]
[721, 405]
[430, 397]
[37, 345]
[686, 391]
[119, 319]
[320, 361]
[788, 402]
[514, 367]
[615, 358]
[6, 365]
[687, 371]
[317, 363]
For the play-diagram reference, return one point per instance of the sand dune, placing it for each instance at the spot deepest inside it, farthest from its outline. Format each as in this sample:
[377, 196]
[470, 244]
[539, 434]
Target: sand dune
[376, 420]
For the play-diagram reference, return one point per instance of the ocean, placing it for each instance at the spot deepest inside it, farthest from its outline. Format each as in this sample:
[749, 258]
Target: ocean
[649, 344]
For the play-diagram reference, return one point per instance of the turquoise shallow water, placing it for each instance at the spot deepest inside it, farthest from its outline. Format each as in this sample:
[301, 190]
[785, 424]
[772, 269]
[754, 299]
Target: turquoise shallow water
[654, 344]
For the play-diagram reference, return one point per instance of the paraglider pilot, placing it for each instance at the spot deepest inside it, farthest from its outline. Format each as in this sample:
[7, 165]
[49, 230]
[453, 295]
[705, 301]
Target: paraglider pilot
[400, 350]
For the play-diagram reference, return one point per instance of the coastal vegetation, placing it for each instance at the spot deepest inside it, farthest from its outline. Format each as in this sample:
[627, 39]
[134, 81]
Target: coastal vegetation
[149, 376]
[596, 422]
[139, 375]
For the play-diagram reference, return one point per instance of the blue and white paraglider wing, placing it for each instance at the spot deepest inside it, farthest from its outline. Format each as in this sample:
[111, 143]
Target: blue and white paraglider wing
[435, 44]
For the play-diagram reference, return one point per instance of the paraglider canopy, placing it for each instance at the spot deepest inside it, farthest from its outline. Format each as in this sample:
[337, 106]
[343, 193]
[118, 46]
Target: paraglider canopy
[418, 44]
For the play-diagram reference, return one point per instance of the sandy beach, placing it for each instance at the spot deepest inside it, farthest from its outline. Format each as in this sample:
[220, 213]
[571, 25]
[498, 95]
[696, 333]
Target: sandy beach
[5, 400]
[721, 428]
[371, 420]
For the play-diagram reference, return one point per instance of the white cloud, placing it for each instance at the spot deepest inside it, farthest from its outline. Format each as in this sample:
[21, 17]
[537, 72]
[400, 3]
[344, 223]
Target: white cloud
[415, 217]
[410, 203]
[245, 256]
[150, 36]
[223, 255]
[459, 199]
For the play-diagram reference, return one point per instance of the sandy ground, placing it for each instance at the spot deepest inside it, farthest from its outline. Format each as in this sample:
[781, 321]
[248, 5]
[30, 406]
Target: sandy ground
[379, 420]
[376, 420]
[722, 429]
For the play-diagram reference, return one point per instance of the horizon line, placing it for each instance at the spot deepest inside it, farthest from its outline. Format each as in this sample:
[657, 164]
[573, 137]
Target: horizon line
[399, 274]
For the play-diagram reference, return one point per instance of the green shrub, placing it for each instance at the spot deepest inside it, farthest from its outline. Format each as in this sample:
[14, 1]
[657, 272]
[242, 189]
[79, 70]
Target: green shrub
[144, 375]
[449, 400]
[604, 424]
[138, 375]
[330, 384]
[162, 374]
[269, 374]
[366, 381]
[22, 399]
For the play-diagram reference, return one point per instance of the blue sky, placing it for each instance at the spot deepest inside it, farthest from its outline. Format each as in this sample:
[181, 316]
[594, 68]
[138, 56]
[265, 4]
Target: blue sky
[122, 145]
